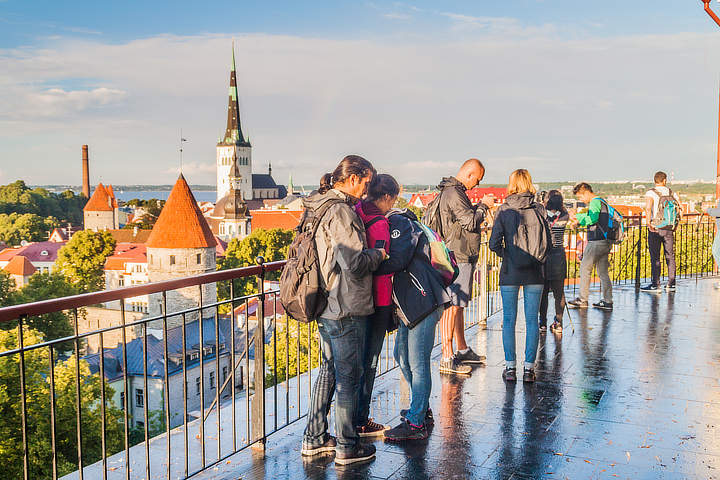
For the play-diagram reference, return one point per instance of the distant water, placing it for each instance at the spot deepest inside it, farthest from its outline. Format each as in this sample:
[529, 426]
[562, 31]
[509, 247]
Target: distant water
[200, 196]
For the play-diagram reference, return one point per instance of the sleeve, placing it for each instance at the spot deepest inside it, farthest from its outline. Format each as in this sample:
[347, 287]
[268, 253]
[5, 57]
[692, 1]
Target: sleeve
[714, 212]
[402, 248]
[496, 243]
[470, 218]
[346, 239]
[590, 218]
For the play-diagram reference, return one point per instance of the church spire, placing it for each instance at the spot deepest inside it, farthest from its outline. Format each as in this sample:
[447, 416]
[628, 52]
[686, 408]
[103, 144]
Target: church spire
[233, 132]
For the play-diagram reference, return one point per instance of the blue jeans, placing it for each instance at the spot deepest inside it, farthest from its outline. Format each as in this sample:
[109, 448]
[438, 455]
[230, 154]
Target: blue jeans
[716, 248]
[531, 299]
[412, 352]
[374, 339]
[341, 346]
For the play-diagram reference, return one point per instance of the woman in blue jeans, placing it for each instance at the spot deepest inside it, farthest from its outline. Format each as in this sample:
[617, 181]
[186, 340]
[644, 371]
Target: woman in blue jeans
[715, 212]
[521, 236]
[420, 297]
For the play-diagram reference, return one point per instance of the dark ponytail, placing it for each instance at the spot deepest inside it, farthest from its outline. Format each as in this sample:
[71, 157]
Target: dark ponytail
[382, 185]
[348, 166]
[555, 201]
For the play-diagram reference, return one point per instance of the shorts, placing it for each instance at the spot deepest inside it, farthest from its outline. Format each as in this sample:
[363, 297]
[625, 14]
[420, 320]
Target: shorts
[461, 288]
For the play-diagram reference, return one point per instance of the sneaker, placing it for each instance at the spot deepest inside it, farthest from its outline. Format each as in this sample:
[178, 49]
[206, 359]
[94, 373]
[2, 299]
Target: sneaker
[454, 367]
[361, 453]
[328, 446]
[543, 328]
[577, 303]
[470, 357]
[529, 375]
[603, 305]
[651, 288]
[429, 419]
[556, 327]
[406, 431]
[372, 429]
[509, 375]
[670, 287]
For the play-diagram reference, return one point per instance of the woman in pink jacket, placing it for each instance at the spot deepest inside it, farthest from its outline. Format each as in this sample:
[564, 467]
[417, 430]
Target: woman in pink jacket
[372, 212]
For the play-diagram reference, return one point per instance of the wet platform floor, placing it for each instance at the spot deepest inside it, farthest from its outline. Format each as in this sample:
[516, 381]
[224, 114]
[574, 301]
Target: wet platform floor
[631, 394]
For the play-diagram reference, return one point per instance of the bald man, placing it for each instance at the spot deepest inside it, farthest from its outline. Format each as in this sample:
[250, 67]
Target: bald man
[461, 224]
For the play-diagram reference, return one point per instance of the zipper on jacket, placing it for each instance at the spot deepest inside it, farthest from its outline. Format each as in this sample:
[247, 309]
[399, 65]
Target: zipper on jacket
[417, 284]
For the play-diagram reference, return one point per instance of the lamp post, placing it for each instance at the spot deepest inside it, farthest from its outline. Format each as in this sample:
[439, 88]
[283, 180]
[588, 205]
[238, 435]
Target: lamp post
[717, 170]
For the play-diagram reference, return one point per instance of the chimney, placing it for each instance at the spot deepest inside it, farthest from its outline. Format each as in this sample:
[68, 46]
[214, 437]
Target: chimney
[85, 172]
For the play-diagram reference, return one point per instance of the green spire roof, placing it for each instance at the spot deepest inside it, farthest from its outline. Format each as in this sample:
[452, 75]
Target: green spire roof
[233, 131]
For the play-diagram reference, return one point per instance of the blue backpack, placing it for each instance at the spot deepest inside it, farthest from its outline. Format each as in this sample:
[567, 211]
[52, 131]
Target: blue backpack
[615, 231]
[667, 215]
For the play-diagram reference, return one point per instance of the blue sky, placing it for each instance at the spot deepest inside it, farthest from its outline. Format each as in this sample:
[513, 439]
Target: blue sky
[560, 87]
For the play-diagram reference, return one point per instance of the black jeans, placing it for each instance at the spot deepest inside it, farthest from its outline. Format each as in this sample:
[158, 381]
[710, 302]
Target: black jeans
[374, 338]
[665, 239]
[341, 346]
[558, 289]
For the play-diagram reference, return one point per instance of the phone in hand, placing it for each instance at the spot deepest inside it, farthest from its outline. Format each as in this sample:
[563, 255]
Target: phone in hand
[380, 244]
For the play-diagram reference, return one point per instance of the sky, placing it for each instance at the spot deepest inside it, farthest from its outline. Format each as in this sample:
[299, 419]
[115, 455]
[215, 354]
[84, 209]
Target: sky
[603, 90]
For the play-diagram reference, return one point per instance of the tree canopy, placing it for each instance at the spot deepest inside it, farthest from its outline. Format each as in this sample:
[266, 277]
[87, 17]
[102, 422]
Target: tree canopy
[82, 259]
[65, 207]
[16, 227]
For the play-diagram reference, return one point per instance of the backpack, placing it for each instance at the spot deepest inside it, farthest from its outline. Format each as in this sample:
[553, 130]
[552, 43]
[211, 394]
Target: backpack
[301, 292]
[432, 215]
[615, 231]
[532, 243]
[668, 214]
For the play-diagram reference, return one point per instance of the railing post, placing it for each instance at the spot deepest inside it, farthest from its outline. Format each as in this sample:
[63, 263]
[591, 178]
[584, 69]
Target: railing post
[638, 256]
[258, 402]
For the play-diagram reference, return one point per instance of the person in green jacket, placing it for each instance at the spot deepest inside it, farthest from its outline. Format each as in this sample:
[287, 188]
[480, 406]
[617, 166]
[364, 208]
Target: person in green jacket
[597, 249]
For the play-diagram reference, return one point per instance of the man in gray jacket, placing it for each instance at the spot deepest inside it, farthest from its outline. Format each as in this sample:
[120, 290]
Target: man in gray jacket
[346, 266]
[461, 225]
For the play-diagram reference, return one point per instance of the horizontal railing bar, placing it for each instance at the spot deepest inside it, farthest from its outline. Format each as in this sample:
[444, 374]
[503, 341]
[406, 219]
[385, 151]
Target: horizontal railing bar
[84, 299]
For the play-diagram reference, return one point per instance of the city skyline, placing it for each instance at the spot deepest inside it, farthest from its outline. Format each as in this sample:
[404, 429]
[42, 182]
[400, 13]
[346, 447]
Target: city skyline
[414, 88]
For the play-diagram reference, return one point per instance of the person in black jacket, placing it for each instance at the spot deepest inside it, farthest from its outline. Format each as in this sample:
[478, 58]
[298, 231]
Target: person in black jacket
[556, 264]
[420, 297]
[521, 236]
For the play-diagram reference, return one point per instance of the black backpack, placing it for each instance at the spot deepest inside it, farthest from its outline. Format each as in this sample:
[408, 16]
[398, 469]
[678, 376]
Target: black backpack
[301, 292]
[532, 240]
[432, 215]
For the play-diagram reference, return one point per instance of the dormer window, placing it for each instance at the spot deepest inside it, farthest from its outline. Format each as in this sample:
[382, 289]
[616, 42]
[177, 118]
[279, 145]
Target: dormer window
[44, 253]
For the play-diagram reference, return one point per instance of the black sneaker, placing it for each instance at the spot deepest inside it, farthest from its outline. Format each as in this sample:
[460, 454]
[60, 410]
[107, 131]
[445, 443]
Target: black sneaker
[577, 303]
[670, 287]
[652, 288]
[509, 375]
[361, 453]
[328, 446]
[543, 327]
[371, 429]
[603, 305]
[556, 327]
[470, 357]
[529, 375]
[429, 419]
[452, 366]
[406, 431]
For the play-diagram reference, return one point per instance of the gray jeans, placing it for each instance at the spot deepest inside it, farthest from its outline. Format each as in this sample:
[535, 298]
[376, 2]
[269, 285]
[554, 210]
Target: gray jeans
[596, 253]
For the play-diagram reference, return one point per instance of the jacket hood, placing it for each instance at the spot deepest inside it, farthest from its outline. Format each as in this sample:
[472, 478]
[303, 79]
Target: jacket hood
[450, 182]
[314, 200]
[520, 201]
[404, 212]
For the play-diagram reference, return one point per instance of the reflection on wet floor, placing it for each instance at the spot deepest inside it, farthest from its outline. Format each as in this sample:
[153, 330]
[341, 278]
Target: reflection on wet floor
[632, 393]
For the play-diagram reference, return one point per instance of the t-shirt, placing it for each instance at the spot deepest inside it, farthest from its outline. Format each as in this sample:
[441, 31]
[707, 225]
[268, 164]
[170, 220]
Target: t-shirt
[653, 194]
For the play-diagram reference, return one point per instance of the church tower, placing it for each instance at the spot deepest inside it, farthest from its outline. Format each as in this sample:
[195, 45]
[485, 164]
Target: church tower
[234, 148]
[236, 222]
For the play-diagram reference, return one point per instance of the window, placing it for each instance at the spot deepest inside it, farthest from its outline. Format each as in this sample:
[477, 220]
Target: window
[224, 374]
[151, 259]
[122, 400]
[121, 281]
[212, 380]
[197, 385]
[198, 258]
[139, 397]
[172, 259]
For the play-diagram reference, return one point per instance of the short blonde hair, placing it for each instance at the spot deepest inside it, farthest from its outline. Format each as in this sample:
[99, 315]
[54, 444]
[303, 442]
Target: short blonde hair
[520, 182]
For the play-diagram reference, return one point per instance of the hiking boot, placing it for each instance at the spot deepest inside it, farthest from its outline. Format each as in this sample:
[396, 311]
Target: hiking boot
[371, 429]
[406, 431]
[577, 303]
[509, 375]
[556, 327]
[603, 305]
[670, 287]
[470, 357]
[429, 419]
[328, 446]
[652, 288]
[452, 366]
[529, 375]
[361, 453]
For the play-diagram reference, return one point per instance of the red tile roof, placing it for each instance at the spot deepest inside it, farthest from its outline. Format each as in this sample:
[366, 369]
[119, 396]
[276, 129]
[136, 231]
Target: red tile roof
[181, 224]
[35, 252]
[100, 201]
[269, 219]
[128, 235]
[20, 265]
[111, 194]
[475, 195]
[126, 252]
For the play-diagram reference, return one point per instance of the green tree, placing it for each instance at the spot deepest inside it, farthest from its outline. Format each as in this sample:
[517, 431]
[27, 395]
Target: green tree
[82, 259]
[155, 424]
[44, 286]
[287, 352]
[37, 385]
[402, 203]
[8, 295]
[16, 227]
[17, 197]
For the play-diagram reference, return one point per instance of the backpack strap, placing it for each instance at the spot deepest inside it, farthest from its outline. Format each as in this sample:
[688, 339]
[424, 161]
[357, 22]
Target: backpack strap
[373, 221]
[319, 213]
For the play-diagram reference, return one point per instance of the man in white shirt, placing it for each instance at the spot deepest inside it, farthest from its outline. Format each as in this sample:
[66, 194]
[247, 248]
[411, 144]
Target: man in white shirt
[660, 236]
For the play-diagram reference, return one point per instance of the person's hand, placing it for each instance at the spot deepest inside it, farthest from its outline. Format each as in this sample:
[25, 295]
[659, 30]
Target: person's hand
[489, 201]
[384, 253]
